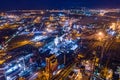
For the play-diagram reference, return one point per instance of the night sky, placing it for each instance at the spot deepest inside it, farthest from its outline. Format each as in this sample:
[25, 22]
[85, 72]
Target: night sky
[57, 4]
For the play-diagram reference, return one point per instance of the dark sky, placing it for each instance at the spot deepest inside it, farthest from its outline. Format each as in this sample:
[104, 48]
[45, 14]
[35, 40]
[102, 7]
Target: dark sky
[60, 4]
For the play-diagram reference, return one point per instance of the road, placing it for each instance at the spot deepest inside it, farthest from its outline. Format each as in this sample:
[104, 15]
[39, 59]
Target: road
[34, 76]
[64, 73]
[18, 44]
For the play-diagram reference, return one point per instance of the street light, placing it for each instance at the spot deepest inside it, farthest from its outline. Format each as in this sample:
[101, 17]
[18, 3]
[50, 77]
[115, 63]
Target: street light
[102, 38]
[100, 35]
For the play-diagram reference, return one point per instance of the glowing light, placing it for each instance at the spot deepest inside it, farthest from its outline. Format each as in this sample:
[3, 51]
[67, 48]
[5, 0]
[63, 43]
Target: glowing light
[12, 69]
[42, 12]
[113, 26]
[19, 65]
[74, 47]
[38, 38]
[8, 78]
[100, 33]
[49, 30]
[112, 33]
[11, 16]
[56, 41]
[100, 36]
[61, 38]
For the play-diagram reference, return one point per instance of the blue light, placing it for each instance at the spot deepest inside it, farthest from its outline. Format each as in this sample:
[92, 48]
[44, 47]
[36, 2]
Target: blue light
[43, 64]
[8, 78]
[56, 41]
[112, 33]
[12, 69]
[61, 66]
[38, 38]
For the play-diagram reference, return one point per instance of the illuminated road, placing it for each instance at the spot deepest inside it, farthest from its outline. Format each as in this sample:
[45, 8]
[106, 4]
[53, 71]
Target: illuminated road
[18, 44]
[62, 75]
[33, 76]
[8, 26]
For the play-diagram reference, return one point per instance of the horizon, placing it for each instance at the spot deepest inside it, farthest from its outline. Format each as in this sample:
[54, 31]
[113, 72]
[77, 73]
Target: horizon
[54, 4]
